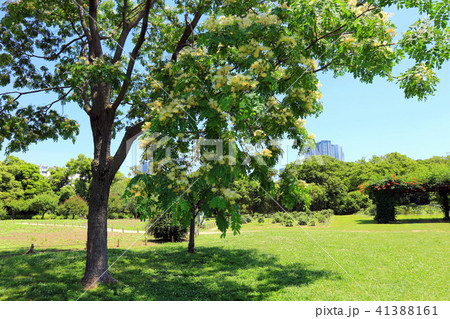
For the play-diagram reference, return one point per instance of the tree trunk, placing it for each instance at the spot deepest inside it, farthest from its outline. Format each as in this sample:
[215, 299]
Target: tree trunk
[192, 235]
[96, 271]
[445, 204]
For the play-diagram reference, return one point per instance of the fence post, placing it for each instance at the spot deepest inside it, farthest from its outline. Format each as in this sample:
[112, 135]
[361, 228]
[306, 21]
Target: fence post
[137, 229]
[146, 241]
[123, 229]
[112, 228]
[118, 242]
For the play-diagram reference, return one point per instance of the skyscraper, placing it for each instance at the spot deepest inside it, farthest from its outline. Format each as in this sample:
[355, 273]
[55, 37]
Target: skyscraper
[326, 148]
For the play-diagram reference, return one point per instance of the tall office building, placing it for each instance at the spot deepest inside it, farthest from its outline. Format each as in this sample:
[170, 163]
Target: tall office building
[326, 148]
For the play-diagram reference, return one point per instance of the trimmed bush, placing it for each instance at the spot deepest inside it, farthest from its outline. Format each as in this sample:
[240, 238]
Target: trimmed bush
[246, 219]
[302, 220]
[166, 229]
[261, 219]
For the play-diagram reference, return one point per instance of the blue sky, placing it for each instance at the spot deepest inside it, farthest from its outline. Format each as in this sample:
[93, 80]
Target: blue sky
[365, 119]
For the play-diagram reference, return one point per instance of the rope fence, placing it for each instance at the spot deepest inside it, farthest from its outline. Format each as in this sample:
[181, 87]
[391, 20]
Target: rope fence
[113, 227]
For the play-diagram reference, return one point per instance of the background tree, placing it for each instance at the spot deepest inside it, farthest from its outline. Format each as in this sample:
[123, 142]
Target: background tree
[79, 170]
[74, 206]
[65, 193]
[75, 51]
[44, 203]
[59, 178]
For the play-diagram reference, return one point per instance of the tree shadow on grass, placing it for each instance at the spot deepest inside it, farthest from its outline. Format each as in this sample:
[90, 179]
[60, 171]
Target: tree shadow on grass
[159, 274]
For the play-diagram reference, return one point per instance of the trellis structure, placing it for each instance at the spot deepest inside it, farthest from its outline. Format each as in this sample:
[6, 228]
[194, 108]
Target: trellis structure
[386, 200]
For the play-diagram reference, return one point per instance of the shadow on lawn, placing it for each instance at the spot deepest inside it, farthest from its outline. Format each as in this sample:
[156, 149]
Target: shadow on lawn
[162, 274]
[406, 221]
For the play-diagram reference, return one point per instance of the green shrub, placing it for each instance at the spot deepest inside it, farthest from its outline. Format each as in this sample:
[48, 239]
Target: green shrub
[369, 211]
[166, 229]
[313, 222]
[277, 217]
[246, 219]
[302, 220]
[261, 219]
[288, 222]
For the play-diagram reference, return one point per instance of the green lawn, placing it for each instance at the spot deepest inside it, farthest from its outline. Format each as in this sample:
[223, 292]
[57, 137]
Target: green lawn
[407, 260]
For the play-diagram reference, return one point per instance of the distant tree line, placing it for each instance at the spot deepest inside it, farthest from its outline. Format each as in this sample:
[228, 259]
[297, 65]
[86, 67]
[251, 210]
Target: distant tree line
[25, 193]
[333, 184]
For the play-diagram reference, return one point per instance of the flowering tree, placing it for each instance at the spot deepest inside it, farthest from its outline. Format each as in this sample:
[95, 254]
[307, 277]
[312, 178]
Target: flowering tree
[221, 92]
[208, 68]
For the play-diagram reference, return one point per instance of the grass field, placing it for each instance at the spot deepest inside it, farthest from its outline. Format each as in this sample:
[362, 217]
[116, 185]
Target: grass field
[407, 260]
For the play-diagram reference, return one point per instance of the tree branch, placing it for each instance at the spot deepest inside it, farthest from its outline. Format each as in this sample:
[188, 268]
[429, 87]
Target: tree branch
[133, 55]
[95, 46]
[34, 91]
[186, 34]
[331, 33]
[131, 134]
[83, 20]
[54, 56]
[48, 106]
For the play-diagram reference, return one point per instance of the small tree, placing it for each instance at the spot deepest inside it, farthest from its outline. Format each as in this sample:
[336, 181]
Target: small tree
[75, 206]
[44, 203]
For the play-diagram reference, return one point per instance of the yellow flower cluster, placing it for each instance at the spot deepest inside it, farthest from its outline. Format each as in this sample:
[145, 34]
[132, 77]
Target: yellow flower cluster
[302, 183]
[347, 39]
[230, 194]
[195, 52]
[391, 32]
[174, 108]
[254, 48]
[289, 41]
[308, 97]
[260, 67]
[310, 64]
[146, 126]
[258, 133]
[240, 82]
[156, 85]
[272, 102]
[300, 123]
[214, 24]
[266, 152]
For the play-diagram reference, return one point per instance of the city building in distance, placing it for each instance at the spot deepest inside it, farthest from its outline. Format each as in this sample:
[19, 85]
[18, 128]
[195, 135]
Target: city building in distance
[326, 148]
